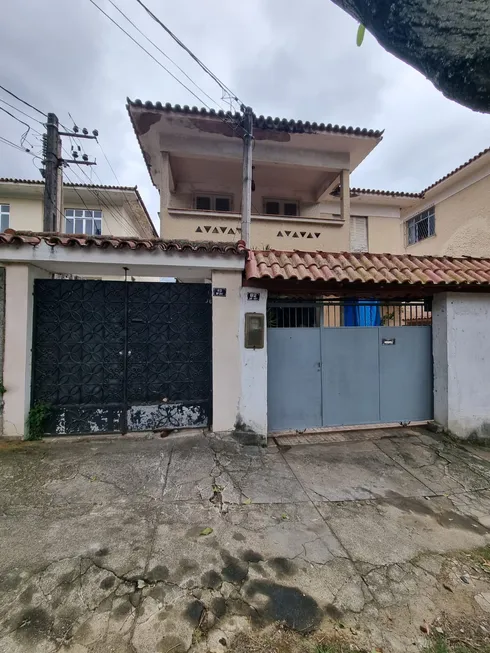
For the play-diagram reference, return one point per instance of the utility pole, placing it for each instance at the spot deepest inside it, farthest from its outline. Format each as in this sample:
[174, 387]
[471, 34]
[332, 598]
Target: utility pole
[247, 175]
[53, 170]
[51, 173]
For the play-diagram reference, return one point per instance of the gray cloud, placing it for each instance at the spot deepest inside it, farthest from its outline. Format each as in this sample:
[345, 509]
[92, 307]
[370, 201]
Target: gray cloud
[294, 60]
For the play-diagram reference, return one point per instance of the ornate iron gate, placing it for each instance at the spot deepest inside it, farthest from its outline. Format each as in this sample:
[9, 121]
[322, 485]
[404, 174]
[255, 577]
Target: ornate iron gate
[113, 356]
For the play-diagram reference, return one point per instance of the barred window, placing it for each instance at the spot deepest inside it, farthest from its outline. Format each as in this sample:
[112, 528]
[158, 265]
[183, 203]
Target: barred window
[421, 226]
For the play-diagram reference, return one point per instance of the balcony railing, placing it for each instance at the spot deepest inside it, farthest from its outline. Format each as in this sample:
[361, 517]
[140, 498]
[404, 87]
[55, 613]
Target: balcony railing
[193, 213]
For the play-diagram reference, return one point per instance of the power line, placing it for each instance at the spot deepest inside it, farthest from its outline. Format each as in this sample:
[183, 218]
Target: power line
[162, 52]
[221, 84]
[25, 134]
[149, 54]
[23, 101]
[18, 147]
[22, 112]
[108, 162]
[99, 196]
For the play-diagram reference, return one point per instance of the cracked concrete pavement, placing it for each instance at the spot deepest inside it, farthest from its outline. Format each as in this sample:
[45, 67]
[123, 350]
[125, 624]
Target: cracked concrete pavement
[101, 546]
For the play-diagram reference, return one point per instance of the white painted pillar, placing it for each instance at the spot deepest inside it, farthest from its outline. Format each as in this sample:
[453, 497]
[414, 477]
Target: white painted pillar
[19, 287]
[166, 188]
[253, 397]
[226, 350]
[461, 354]
[345, 197]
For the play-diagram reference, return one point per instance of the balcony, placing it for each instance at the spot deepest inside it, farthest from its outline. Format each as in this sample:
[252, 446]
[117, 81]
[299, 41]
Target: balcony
[317, 231]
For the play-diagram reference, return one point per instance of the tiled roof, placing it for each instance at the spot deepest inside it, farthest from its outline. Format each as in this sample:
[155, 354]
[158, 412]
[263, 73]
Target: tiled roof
[386, 193]
[453, 172]
[40, 182]
[261, 122]
[12, 237]
[349, 268]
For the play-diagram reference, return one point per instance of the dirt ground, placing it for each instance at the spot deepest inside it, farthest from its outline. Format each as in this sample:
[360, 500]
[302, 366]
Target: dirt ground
[194, 543]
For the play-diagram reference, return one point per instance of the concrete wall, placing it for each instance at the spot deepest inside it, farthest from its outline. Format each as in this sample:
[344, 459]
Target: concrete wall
[253, 396]
[462, 223]
[25, 214]
[461, 351]
[265, 231]
[226, 351]
[18, 345]
[385, 235]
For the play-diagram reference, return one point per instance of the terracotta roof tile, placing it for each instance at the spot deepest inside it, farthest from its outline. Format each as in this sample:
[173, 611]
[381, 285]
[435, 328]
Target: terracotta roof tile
[12, 237]
[386, 193]
[453, 172]
[348, 268]
[260, 122]
[40, 182]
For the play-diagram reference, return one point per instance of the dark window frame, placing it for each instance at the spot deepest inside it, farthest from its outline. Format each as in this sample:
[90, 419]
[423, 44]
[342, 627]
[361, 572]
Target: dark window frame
[282, 207]
[213, 198]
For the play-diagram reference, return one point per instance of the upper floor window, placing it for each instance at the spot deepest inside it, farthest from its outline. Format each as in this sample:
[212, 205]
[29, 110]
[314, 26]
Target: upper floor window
[213, 202]
[83, 221]
[421, 226]
[4, 216]
[281, 207]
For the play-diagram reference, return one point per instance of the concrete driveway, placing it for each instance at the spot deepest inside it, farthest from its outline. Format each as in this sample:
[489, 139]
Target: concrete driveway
[102, 545]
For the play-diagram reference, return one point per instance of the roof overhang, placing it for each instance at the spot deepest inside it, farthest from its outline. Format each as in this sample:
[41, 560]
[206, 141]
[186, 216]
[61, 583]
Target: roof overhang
[106, 256]
[201, 133]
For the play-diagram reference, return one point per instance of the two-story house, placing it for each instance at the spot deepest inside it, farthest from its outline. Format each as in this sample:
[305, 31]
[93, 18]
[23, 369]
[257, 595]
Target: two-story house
[87, 209]
[194, 158]
[301, 194]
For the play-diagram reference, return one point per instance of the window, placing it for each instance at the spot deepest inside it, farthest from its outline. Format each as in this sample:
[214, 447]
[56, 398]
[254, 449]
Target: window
[4, 216]
[358, 234]
[213, 202]
[281, 207]
[83, 221]
[421, 226]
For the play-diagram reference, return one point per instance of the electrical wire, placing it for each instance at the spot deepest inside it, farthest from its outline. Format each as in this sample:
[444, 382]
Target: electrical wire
[100, 196]
[149, 54]
[221, 84]
[22, 112]
[18, 147]
[73, 186]
[23, 101]
[25, 134]
[163, 53]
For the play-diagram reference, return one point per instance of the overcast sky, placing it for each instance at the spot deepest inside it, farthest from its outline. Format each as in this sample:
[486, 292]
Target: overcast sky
[296, 60]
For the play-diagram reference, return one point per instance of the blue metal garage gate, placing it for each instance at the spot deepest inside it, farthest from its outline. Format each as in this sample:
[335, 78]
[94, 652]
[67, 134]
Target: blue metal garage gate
[348, 363]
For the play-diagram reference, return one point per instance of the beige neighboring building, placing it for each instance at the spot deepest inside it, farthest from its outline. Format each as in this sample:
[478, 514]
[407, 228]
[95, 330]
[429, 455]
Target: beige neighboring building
[87, 209]
[302, 198]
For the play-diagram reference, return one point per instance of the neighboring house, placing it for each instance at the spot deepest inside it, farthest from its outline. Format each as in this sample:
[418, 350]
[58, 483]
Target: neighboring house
[87, 209]
[301, 170]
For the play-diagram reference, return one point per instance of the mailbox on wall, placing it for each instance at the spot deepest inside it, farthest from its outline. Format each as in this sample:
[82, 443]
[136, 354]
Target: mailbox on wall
[254, 330]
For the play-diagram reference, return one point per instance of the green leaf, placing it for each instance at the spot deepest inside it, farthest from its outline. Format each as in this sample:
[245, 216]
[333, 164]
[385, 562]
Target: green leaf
[206, 531]
[247, 501]
[361, 30]
[284, 516]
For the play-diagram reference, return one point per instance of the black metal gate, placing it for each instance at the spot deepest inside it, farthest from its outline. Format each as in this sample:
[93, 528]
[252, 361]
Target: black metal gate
[113, 356]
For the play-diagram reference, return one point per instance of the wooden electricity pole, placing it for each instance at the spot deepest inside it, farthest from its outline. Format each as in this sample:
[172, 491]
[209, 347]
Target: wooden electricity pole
[53, 170]
[51, 173]
[247, 175]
